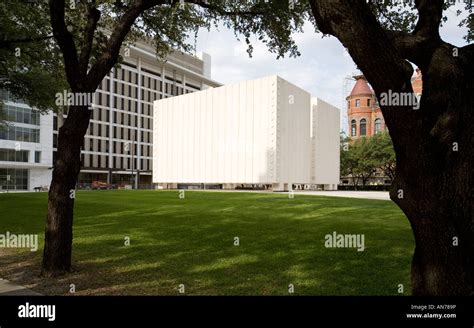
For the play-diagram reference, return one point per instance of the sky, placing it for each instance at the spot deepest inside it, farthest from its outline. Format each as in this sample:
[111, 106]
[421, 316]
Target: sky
[324, 68]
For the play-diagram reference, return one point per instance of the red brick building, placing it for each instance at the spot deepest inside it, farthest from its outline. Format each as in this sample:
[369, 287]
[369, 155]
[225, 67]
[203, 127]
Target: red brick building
[363, 112]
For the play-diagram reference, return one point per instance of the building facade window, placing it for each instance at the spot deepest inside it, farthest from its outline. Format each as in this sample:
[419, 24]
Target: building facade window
[353, 128]
[12, 155]
[22, 115]
[124, 119]
[37, 157]
[357, 103]
[16, 133]
[13, 179]
[378, 125]
[363, 127]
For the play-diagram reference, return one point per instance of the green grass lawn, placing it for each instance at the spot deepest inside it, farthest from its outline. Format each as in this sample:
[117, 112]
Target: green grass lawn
[190, 241]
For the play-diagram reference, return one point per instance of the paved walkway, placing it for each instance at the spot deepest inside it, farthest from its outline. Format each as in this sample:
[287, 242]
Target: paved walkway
[381, 195]
[8, 288]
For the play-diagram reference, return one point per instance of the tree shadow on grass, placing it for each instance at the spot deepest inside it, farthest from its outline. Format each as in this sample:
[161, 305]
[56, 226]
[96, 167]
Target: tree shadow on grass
[280, 243]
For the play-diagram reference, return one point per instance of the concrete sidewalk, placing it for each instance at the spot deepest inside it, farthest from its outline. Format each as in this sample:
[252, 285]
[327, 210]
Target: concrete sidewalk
[8, 288]
[380, 195]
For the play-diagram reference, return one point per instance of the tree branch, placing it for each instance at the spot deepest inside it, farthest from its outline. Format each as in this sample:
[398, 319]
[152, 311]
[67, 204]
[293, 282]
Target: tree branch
[416, 48]
[223, 12]
[385, 68]
[66, 44]
[430, 15]
[93, 17]
[5, 43]
[109, 57]
[114, 43]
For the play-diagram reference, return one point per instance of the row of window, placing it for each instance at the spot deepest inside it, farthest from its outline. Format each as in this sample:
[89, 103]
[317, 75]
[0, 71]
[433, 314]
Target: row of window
[6, 96]
[22, 115]
[118, 162]
[118, 133]
[132, 120]
[12, 155]
[174, 87]
[129, 105]
[16, 133]
[13, 179]
[358, 103]
[147, 80]
[363, 127]
[124, 133]
[127, 134]
[118, 147]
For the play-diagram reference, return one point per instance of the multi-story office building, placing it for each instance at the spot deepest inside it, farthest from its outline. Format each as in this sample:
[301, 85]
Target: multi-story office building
[118, 145]
[26, 147]
[117, 148]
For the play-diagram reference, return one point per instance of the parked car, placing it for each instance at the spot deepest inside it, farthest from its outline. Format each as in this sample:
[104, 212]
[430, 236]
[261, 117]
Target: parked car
[100, 185]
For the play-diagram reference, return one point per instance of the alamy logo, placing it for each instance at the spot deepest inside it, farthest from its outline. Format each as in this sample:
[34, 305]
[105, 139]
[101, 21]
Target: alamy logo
[74, 98]
[336, 240]
[11, 240]
[391, 98]
[37, 311]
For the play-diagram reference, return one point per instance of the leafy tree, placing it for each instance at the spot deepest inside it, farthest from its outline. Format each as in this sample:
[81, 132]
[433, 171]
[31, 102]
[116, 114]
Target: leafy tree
[434, 177]
[90, 34]
[30, 64]
[383, 154]
[433, 145]
[345, 158]
[358, 161]
[366, 163]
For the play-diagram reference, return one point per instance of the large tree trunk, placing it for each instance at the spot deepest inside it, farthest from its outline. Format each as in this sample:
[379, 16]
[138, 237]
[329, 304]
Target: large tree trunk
[440, 213]
[437, 182]
[434, 182]
[82, 76]
[58, 232]
[442, 263]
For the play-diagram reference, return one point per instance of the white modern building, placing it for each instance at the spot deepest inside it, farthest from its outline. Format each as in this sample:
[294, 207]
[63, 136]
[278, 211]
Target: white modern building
[325, 144]
[26, 147]
[260, 132]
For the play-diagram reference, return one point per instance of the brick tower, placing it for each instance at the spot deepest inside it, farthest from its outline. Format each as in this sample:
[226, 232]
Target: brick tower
[364, 115]
[363, 111]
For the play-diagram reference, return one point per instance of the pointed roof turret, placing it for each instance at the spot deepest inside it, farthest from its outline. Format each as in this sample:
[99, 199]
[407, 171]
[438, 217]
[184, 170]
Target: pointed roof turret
[361, 87]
